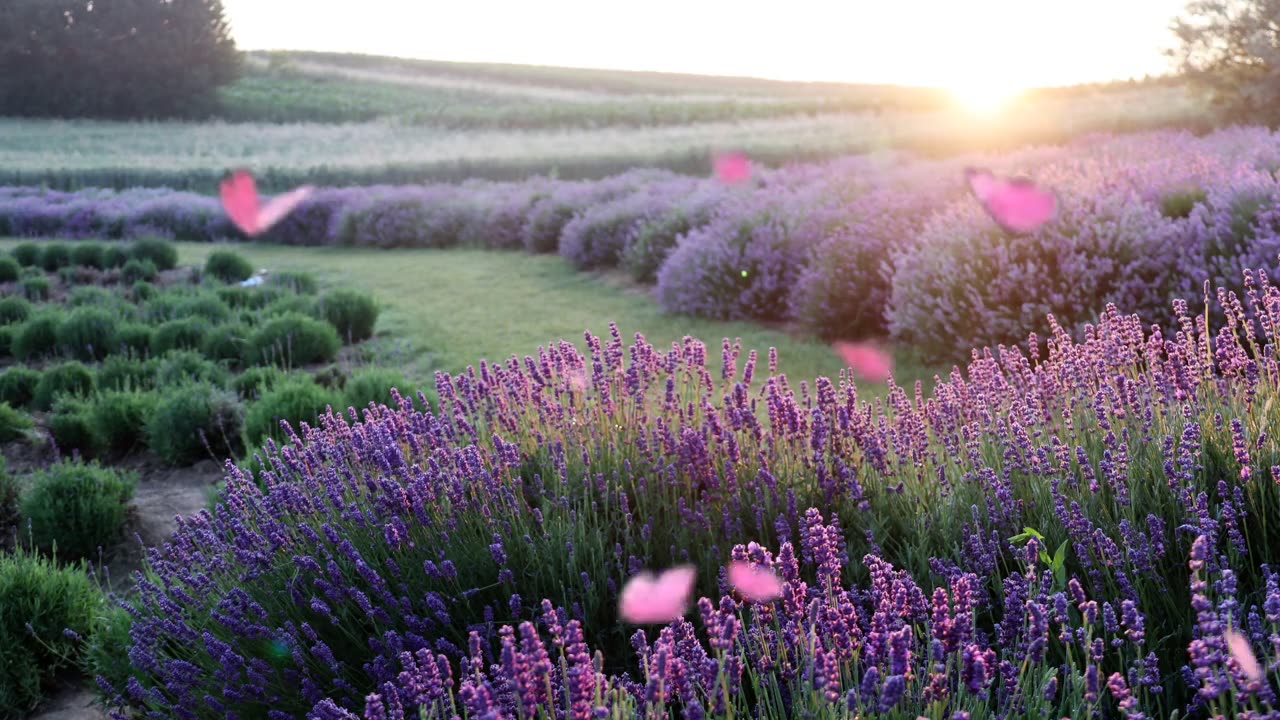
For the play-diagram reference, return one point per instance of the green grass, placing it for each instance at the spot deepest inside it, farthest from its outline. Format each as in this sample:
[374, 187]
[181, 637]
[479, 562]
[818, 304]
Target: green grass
[454, 307]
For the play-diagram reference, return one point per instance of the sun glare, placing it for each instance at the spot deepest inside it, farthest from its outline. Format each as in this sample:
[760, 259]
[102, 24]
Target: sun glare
[983, 98]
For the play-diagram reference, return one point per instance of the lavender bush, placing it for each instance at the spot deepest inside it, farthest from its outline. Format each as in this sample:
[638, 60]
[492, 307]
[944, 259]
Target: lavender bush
[1062, 534]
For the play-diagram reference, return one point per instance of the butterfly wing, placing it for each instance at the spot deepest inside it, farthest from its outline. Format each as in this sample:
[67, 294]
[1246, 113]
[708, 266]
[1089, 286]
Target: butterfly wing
[866, 361]
[648, 599]
[240, 201]
[732, 168]
[756, 584]
[1017, 205]
[1243, 654]
[279, 207]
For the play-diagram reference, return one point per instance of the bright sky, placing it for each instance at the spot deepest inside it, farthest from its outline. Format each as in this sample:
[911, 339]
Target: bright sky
[942, 43]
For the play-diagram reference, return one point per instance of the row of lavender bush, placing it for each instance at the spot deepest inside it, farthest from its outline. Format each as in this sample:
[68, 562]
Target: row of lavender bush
[864, 246]
[1066, 534]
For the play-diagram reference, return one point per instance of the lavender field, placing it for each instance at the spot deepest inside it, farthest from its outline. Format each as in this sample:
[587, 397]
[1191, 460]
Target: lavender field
[1079, 520]
[874, 246]
[563, 360]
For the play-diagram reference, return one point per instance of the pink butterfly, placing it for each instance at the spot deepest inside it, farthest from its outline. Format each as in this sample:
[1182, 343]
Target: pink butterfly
[647, 598]
[1243, 654]
[732, 168]
[245, 208]
[757, 584]
[867, 361]
[1016, 204]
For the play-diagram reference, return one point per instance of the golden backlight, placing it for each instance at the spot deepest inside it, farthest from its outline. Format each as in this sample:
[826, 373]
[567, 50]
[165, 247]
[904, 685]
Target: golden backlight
[982, 98]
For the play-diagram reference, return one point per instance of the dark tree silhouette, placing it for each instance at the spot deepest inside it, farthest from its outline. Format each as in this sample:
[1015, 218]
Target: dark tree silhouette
[113, 58]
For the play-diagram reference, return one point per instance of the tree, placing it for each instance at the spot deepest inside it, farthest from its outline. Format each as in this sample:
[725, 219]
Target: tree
[113, 58]
[1231, 49]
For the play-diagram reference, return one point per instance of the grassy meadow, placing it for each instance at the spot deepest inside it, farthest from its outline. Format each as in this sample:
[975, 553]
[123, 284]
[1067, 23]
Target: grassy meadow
[341, 120]
[453, 308]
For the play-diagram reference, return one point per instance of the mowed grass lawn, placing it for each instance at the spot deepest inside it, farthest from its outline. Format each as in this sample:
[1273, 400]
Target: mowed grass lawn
[453, 308]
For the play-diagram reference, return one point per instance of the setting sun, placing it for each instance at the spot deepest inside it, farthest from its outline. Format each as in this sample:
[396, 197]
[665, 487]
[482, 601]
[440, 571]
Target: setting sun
[983, 98]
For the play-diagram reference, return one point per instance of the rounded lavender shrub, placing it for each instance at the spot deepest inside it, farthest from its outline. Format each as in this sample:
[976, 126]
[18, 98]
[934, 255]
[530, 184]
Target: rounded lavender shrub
[740, 265]
[1235, 227]
[501, 213]
[968, 284]
[843, 289]
[430, 217]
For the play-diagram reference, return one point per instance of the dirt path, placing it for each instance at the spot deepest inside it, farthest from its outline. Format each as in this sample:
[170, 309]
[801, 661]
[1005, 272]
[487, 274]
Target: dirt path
[162, 494]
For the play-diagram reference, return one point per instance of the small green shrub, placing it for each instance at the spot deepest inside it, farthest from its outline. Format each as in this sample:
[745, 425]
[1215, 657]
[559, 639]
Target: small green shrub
[132, 338]
[89, 254]
[234, 296]
[226, 343]
[73, 429]
[300, 304]
[121, 418]
[162, 254]
[54, 256]
[87, 333]
[6, 341]
[120, 372]
[332, 377]
[37, 288]
[179, 335]
[114, 257]
[38, 336]
[18, 385]
[374, 385]
[227, 266]
[10, 489]
[77, 507]
[292, 340]
[14, 424]
[254, 382]
[351, 312]
[70, 378]
[205, 305]
[94, 296]
[301, 283]
[136, 271]
[14, 309]
[195, 421]
[27, 254]
[178, 367]
[1178, 205]
[106, 650]
[142, 291]
[39, 602]
[10, 270]
[296, 399]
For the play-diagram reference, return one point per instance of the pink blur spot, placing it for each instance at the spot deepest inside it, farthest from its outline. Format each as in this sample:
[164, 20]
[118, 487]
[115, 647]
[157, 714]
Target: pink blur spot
[1017, 205]
[1243, 654]
[865, 360]
[755, 583]
[243, 205]
[647, 598]
[732, 168]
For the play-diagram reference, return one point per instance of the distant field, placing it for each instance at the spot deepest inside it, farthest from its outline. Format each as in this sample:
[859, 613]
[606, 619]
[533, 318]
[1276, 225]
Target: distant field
[379, 120]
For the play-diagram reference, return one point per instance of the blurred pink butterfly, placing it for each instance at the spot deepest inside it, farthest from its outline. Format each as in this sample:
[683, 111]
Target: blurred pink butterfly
[733, 168]
[865, 360]
[1016, 204]
[1244, 656]
[757, 584]
[647, 598]
[245, 208]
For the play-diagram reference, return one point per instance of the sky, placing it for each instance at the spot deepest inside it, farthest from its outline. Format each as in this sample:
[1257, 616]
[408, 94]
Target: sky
[939, 43]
